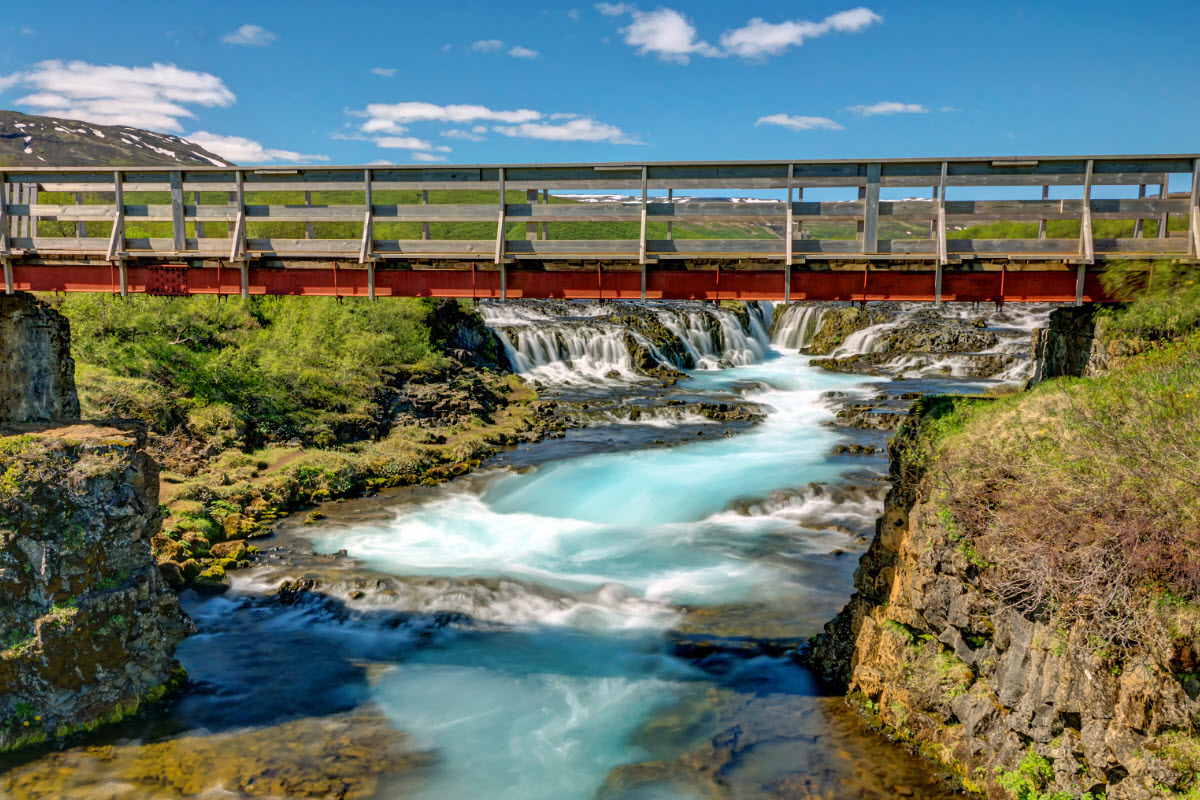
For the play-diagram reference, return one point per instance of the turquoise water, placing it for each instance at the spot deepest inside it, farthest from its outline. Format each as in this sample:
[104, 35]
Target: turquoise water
[550, 696]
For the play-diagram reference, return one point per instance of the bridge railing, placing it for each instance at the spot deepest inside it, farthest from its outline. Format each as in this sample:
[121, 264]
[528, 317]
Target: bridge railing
[467, 213]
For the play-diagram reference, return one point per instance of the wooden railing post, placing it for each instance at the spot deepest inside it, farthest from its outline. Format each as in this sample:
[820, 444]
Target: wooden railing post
[237, 246]
[545, 225]
[942, 255]
[871, 211]
[642, 231]
[199, 224]
[1194, 221]
[531, 228]
[80, 225]
[309, 230]
[500, 237]
[116, 241]
[368, 234]
[1164, 218]
[789, 243]
[1087, 250]
[1087, 247]
[425, 225]
[1137, 223]
[1041, 234]
[671, 224]
[178, 225]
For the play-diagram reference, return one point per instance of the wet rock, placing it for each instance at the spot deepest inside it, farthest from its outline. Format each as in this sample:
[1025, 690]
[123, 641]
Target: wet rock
[235, 549]
[869, 418]
[343, 757]
[88, 621]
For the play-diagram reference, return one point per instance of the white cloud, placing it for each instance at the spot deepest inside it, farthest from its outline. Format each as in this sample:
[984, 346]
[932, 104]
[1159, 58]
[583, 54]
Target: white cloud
[388, 125]
[573, 14]
[888, 107]
[154, 97]
[240, 150]
[800, 123]
[584, 129]
[470, 136]
[946, 109]
[523, 52]
[381, 116]
[671, 36]
[759, 38]
[404, 143]
[250, 35]
[427, 157]
[28, 31]
[381, 162]
[384, 72]
[667, 34]
[487, 45]
[8, 81]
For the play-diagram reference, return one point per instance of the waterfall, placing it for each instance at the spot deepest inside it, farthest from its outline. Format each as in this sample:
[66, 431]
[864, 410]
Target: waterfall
[572, 343]
[798, 325]
[714, 337]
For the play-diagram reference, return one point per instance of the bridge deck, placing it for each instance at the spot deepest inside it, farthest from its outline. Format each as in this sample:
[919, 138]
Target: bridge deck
[378, 231]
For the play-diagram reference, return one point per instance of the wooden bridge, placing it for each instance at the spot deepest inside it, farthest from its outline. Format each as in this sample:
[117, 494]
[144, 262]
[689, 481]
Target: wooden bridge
[455, 231]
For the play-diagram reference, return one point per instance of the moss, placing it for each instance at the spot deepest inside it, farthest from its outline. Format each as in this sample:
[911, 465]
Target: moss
[119, 713]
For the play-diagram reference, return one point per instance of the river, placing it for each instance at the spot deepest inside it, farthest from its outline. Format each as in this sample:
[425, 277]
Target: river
[611, 614]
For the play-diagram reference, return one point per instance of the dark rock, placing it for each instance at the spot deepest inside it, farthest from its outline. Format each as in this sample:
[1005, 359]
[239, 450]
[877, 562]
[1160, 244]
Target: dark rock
[37, 373]
[89, 622]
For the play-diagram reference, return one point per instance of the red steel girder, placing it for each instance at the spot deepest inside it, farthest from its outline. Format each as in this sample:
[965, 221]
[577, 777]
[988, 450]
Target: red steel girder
[1027, 285]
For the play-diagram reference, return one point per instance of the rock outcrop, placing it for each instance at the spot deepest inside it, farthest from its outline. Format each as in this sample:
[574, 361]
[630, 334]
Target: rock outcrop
[88, 625]
[1076, 345]
[994, 695]
[37, 373]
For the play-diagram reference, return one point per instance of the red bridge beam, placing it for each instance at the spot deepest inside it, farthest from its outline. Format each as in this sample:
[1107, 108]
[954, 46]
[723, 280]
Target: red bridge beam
[876, 285]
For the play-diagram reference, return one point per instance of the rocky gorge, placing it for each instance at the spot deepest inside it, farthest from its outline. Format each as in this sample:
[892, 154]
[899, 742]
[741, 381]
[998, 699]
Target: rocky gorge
[559, 545]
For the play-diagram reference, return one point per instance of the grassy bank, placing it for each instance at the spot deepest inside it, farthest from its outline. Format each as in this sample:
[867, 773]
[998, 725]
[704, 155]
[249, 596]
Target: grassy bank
[257, 408]
[1081, 497]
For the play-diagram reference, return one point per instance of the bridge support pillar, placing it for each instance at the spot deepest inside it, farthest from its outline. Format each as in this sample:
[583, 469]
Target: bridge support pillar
[245, 267]
[371, 279]
[8, 275]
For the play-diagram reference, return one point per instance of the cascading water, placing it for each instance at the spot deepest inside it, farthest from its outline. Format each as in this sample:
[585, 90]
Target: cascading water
[581, 343]
[797, 325]
[581, 348]
[714, 337]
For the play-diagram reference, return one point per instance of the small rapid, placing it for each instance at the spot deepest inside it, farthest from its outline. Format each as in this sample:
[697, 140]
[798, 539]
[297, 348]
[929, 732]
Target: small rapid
[600, 557]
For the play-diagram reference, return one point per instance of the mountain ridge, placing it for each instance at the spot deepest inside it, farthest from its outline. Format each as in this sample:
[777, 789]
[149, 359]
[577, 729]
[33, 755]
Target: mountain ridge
[33, 141]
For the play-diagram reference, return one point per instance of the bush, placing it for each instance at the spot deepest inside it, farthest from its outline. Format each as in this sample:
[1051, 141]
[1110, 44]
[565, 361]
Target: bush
[269, 367]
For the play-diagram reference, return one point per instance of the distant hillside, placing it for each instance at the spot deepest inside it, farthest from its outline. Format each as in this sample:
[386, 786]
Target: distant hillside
[29, 141]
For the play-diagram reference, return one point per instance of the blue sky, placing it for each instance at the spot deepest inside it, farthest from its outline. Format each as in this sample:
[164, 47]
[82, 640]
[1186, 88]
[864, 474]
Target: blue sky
[464, 82]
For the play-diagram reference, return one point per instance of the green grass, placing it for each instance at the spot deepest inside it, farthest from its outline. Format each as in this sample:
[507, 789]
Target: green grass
[264, 368]
[1081, 483]
[1065, 229]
